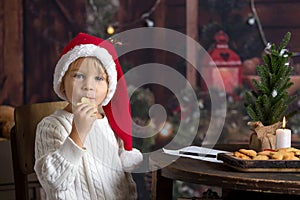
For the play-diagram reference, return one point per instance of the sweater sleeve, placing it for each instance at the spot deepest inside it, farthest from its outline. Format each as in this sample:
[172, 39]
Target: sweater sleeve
[57, 156]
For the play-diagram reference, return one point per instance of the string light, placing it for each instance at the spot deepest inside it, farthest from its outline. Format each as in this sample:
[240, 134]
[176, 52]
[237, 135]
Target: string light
[251, 20]
[110, 30]
[256, 18]
[149, 22]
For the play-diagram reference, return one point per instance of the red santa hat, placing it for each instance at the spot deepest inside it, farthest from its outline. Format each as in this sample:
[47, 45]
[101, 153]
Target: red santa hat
[84, 45]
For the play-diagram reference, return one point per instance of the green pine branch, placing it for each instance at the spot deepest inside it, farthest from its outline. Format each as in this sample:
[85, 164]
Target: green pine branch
[270, 101]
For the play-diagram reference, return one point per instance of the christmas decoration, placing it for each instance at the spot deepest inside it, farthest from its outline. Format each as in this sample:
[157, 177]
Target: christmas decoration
[269, 101]
[228, 65]
[247, 42]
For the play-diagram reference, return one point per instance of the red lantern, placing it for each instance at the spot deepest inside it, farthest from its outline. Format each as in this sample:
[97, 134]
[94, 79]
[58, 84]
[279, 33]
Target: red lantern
[228, 65]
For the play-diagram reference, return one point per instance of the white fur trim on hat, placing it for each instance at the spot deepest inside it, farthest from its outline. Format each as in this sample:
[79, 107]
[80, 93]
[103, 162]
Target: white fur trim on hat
[86, 50]
[131, 159]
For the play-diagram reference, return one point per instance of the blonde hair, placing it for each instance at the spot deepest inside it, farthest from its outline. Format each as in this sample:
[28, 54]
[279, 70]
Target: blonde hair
[90, 61]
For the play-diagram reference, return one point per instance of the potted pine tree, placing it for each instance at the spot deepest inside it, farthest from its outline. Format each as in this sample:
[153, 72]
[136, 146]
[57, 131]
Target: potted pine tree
[269, 101]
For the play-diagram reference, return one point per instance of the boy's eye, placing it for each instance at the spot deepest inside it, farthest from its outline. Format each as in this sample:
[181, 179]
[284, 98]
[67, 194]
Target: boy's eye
[99, 78]
[78, 76]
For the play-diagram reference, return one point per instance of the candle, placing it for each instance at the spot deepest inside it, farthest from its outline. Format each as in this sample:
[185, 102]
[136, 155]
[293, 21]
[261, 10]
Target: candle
[283, 136]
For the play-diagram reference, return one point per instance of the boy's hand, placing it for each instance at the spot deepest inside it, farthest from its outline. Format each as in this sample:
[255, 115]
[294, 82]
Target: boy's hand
[84, 117]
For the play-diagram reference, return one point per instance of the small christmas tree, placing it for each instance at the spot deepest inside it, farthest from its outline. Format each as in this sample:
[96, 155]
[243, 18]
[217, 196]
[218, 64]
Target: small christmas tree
[270, 100]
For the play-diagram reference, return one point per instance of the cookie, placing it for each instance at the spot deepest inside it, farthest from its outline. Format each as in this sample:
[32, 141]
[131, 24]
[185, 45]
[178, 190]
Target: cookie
[86, 100]
[293, 158]
[297, 153]
[264, 153]
[284, 150]
[248, 152]
[241, 155]
[277, 155]
[261, 157]
[288, 156]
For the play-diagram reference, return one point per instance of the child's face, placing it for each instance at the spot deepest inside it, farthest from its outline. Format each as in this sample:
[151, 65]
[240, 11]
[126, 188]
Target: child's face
[85, 79]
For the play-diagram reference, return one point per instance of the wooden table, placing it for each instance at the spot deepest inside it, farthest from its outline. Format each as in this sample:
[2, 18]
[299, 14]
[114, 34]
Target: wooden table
[234, 184]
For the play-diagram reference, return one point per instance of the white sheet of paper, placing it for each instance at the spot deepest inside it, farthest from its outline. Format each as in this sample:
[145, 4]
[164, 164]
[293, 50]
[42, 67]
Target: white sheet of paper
[196, 149]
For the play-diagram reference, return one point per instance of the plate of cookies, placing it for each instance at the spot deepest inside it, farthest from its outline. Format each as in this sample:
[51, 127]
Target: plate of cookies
[248, 160]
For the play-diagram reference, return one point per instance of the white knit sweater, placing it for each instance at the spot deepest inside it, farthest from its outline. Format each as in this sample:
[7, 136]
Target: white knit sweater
[66, 171]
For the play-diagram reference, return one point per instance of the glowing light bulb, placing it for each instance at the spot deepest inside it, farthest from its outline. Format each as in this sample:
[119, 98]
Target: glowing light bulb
[149, 22]
[110, 30]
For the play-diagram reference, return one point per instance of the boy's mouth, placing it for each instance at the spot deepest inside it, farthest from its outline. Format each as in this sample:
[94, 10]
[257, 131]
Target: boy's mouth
[87, 100]
[90, 96]
[90, 99]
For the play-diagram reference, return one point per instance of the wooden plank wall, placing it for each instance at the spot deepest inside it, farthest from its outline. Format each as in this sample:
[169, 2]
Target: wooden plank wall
[11, 53]
[279, 18]
[276, 16]
[28, 55]
[48, 26]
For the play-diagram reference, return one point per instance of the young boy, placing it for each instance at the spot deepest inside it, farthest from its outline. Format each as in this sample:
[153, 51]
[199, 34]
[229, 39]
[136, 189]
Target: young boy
[82, 153]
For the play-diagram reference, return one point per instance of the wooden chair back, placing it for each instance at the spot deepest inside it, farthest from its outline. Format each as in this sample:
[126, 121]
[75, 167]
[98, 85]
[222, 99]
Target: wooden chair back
[22, 143]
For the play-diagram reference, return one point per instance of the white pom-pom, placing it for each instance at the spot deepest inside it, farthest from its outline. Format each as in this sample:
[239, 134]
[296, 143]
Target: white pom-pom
[131, 159]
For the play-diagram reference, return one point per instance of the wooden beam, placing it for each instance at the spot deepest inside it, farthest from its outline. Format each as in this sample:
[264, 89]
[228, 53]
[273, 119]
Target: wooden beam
[162, 188]
[191, 31]
[12, 53]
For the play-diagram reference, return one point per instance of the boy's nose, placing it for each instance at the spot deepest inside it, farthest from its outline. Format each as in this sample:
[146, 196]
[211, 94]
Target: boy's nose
[89, 85]
[88, 88]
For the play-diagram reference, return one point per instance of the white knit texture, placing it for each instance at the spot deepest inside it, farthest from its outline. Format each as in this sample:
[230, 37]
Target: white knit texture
[86, 50]
[65, 171]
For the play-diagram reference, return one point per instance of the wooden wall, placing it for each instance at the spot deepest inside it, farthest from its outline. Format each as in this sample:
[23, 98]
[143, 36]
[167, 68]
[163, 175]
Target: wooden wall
[279, 18]
[48, 26]
[33, 32]
[11, 53]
